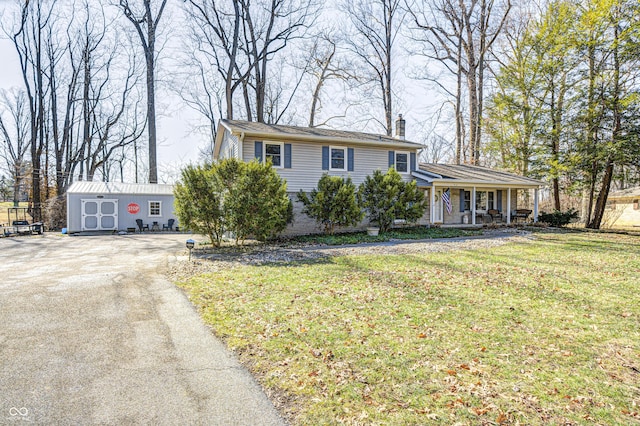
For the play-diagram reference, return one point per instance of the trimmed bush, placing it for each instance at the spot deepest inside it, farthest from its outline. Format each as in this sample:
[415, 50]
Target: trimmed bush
[245, 199]
[332, 204]
[386, 197]
[558, 218]
[198, 202]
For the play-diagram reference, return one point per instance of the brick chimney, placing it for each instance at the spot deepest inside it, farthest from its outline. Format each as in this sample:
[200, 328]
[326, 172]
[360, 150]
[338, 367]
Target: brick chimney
[400, 127]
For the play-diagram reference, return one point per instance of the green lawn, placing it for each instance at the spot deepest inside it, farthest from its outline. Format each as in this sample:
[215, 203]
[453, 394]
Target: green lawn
[545, 331]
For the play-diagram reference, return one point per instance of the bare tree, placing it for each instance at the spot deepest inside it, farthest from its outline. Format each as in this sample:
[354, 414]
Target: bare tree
[268, 28]
[459, 34]
[29, 41]
[376, 25]
[215, 29]
[14, 137]
[325, 65]
[145, 21]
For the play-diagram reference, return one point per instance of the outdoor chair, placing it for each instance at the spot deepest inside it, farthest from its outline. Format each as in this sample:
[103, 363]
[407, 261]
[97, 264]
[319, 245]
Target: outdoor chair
[142, 226]
[520, 214]
[169, 225]
[495, 215]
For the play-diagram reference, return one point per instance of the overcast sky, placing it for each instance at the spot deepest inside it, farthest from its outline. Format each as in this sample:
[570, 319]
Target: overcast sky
[179, 145]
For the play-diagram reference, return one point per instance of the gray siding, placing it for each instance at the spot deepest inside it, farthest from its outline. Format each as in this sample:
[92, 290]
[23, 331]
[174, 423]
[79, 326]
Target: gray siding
[229, 146]
[125, 219]
[306, 164]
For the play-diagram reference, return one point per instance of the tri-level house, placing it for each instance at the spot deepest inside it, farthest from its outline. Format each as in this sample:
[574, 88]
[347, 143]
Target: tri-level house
[301, 155]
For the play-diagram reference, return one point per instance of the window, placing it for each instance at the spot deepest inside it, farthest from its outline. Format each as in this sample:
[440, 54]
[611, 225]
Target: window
[467, 201]
[273, 152]
[402, 162]
[485, 200]
[338, 158]
[636, 205]
[155, 208]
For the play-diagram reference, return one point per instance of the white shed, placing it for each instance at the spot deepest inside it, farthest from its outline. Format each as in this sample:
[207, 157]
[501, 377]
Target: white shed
[112, 206]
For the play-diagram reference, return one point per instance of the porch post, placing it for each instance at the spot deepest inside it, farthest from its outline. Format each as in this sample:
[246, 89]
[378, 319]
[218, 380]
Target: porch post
[508, 206]
[535, 205]
[432, 197]
[473, 205]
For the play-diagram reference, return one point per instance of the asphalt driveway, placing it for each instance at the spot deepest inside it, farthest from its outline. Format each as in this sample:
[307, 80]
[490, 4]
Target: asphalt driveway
[91, 333]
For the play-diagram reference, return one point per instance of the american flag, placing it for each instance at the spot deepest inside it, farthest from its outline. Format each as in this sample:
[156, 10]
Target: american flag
[446, 197]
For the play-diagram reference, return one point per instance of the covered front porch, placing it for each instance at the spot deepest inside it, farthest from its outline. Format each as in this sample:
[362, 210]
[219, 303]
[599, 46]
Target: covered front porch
[473, 195]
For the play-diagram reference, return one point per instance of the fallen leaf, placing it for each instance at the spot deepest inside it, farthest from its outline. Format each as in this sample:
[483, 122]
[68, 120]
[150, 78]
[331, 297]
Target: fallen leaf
[422, 336]
[452, 372]
[502, 418]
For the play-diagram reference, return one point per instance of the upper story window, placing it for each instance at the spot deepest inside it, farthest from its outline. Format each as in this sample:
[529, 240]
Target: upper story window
[155, 208]
[402, 162]
[274, 151]
[338, 158]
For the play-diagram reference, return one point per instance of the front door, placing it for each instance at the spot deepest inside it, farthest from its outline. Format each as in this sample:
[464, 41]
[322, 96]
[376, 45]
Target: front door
[437, 206]
[99, 215]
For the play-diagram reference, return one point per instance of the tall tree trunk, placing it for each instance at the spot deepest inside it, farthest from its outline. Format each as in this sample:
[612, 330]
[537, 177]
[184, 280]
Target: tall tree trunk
[601, 202]
[151, 116]
[459, 118]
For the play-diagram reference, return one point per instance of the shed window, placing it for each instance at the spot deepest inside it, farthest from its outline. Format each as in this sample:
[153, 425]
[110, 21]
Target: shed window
[273, 151]
[155, 208]
[338, 158]
[635, 205]
[402, 162]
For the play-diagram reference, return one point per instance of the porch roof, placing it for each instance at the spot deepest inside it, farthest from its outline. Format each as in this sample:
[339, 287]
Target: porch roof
[464, 175]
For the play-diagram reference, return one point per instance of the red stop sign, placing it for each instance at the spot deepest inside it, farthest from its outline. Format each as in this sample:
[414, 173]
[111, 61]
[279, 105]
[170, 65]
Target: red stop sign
[133, 208]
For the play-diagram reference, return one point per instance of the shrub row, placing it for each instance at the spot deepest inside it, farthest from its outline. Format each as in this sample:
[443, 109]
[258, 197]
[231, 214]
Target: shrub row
[383, 197]
[250, 199]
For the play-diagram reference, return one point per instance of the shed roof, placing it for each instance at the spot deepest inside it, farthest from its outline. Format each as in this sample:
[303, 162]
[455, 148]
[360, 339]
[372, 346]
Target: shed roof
[84, 187]
[625, 193]
[464, 174]
[311, 134]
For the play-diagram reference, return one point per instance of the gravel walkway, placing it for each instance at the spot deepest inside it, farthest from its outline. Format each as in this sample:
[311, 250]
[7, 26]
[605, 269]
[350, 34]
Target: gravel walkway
[212, 262]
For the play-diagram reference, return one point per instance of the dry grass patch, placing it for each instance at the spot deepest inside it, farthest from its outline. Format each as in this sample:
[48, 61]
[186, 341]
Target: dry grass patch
[538, 332]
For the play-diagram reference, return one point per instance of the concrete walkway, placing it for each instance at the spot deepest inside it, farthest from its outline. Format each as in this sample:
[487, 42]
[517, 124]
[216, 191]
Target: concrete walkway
[91, 333]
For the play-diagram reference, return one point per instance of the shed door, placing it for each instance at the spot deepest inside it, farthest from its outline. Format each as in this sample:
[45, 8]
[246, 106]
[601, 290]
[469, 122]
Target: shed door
[99, 215]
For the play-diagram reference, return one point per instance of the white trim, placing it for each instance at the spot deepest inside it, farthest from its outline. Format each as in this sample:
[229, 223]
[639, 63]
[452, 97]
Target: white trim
[508, 210]
[473, 205]
[345, 158]
[264, 153]
[159, 208]
[395, 161]
[495, 199]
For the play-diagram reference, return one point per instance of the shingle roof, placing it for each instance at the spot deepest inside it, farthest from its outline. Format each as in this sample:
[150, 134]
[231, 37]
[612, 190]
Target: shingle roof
[311, 133]
[625, 193]
[463, 173]
[84, 187]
